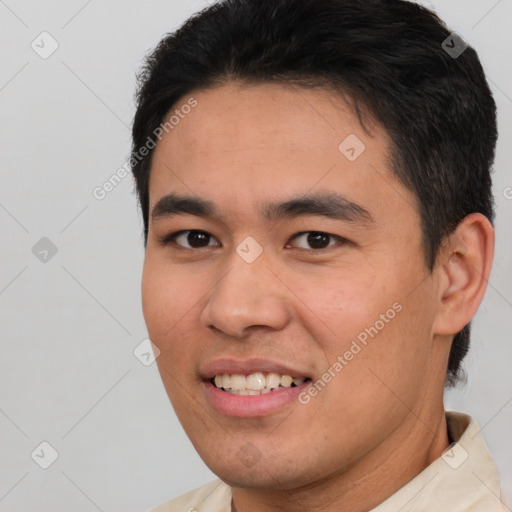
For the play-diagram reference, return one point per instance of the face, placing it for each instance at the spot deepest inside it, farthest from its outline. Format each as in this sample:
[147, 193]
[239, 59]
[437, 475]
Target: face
[289, 295]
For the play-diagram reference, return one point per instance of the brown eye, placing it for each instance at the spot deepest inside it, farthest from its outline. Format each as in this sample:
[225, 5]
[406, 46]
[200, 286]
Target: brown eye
[194, 238]
[317, 240]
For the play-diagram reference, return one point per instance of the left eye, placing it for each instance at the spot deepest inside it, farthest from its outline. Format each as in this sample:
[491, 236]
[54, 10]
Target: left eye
[317, 239]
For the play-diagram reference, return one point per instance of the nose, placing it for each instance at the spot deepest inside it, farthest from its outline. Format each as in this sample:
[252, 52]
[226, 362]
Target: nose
[248, 296]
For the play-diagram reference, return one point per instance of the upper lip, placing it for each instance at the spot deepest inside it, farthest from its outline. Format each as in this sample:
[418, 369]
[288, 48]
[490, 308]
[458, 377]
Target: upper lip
[248, 366]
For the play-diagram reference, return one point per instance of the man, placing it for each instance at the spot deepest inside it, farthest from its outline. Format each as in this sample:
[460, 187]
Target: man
[314, 182]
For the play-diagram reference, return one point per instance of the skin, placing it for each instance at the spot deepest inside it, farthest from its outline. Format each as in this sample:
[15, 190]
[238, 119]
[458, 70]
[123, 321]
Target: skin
[380, 421]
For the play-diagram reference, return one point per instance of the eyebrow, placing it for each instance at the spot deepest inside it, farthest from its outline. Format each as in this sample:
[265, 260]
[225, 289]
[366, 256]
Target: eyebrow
[331, 205]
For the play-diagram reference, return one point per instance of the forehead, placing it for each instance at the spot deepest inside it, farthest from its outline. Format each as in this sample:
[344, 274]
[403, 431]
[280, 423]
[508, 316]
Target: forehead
[279, 117]
[243, 143]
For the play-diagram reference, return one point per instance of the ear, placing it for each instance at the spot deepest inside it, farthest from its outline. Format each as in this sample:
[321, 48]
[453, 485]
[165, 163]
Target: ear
[464, 266]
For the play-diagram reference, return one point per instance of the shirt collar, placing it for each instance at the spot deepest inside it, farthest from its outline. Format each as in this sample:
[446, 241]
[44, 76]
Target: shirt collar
[463, 478]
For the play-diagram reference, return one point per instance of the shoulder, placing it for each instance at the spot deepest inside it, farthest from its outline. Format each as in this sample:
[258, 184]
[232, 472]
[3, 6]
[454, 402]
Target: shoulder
[211, 497]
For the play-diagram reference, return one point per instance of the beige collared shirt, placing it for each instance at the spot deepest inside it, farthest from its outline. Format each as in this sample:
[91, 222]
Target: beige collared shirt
[463, 479]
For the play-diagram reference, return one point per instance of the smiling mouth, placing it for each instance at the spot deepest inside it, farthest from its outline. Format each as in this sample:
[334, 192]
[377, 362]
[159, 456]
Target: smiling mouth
[255, 383]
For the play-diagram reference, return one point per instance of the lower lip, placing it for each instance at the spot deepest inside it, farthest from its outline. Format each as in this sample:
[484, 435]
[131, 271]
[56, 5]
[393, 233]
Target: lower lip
[251, 406]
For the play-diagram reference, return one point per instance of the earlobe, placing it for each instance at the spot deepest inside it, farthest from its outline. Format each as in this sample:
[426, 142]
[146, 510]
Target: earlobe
[465, 264]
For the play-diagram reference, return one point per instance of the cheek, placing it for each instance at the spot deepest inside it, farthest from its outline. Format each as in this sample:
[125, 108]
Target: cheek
[166, 302]
[153, 298]
[372, 314]
[384, 340]
[165, 299]
[344, 302]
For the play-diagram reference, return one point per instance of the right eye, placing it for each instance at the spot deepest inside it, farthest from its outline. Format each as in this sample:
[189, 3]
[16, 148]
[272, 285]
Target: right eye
[195, 238]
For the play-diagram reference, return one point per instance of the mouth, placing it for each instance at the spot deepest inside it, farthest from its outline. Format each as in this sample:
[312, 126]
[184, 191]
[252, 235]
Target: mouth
[254, 384]
[252, 388]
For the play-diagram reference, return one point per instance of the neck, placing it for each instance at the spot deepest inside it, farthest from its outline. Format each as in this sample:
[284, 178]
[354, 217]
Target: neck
[413, 447]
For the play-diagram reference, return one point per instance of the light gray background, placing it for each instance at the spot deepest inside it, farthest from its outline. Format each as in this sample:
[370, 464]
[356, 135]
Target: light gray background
[69, 326]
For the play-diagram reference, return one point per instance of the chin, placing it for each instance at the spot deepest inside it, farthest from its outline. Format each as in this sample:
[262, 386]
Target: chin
[261, 474]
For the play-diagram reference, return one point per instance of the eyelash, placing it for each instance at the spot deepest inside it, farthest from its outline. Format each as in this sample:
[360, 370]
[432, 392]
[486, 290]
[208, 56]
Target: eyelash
[170, 239]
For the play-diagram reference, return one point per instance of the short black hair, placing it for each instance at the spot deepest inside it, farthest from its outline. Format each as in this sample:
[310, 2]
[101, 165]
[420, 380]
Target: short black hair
[389, 58]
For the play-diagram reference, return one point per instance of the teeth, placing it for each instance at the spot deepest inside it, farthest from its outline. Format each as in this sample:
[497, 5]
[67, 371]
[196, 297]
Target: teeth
[255, 383]
[273, 380]
[238, 382]
[286, 381]
[226, 381]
